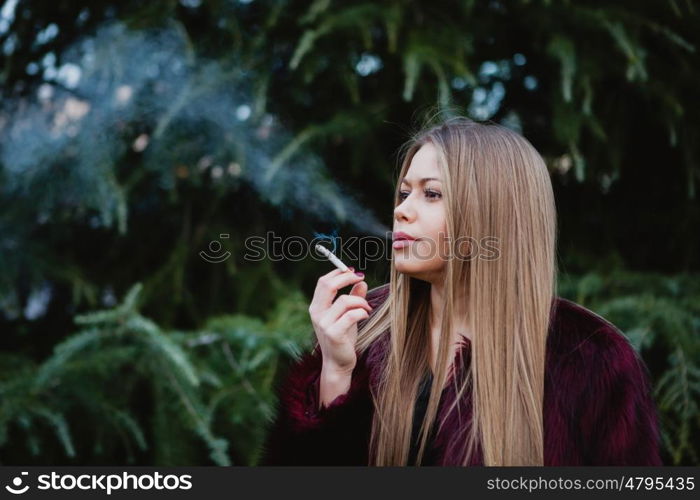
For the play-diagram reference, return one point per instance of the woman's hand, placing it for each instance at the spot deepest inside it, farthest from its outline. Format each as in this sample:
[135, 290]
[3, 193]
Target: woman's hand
[335, 323]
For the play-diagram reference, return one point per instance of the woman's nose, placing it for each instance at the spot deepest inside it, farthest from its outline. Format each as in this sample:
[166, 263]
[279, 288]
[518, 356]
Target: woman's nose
[404, 211]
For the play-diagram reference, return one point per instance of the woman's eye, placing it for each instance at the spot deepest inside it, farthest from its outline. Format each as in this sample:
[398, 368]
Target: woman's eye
[433, 195]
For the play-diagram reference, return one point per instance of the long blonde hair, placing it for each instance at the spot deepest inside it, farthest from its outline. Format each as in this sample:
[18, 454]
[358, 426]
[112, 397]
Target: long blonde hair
[495, 184]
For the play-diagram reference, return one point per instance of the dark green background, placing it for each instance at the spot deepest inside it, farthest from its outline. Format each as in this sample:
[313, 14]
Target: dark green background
[120, 344]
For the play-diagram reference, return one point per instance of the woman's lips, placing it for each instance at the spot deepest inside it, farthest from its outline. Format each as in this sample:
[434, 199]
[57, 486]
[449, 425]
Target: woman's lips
[401, 243]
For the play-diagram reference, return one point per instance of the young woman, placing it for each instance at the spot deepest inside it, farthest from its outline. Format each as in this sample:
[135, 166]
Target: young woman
[466, 356]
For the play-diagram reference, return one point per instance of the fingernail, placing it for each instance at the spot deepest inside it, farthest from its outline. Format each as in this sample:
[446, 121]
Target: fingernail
[361, 275]
[352, 269]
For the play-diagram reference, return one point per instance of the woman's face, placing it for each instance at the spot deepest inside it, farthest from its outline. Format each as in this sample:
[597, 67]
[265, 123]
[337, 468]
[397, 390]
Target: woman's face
[421, 214]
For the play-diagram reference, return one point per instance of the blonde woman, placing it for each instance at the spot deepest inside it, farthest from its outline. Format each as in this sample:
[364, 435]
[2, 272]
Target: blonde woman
[467, 356]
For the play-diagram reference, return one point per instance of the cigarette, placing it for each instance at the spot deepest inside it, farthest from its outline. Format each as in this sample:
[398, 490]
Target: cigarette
[330, 256]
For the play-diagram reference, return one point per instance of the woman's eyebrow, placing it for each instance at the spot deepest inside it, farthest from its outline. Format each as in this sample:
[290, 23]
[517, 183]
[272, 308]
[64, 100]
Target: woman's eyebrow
[421, 181]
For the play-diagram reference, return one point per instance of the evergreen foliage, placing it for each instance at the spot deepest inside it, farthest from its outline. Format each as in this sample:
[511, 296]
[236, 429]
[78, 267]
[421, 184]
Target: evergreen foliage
[213, 386]
[133, 135]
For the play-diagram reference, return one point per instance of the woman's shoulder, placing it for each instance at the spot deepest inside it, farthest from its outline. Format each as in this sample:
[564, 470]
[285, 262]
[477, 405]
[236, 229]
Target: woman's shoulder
[597, 379]
[573, 325]
[584, 341]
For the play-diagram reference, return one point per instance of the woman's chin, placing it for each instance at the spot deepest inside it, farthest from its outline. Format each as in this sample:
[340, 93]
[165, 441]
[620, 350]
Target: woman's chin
[412, 269]
[419, 270]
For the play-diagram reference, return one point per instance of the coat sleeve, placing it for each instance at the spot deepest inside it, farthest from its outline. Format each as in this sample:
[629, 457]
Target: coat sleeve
[303, 434]
[618, 417]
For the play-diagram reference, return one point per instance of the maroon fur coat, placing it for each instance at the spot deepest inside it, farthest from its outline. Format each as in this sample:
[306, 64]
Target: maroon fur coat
[598, 408]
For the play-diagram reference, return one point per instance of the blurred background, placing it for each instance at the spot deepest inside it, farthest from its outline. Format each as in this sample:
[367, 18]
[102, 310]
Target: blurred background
[143, 143]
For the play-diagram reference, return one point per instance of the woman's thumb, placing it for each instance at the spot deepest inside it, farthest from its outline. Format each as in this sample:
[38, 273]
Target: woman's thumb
[359, 289]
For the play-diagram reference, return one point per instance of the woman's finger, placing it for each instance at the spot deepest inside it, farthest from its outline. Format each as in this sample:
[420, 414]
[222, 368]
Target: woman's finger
[341, 305]
[351, 317]
[328, 287]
